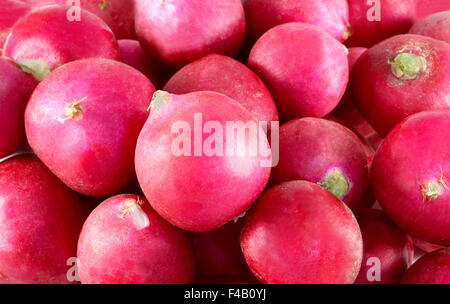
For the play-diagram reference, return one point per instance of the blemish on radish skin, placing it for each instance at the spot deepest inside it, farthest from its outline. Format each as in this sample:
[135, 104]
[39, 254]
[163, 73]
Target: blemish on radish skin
[138, 216]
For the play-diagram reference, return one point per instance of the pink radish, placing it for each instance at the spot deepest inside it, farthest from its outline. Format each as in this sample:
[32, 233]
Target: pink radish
[124, 241]
[436, 26]
[411, 176]
[400, 76]
[329, 15]
[41, 220]
[60, 39]
[179, 32]
[85, 128]
[282, 57]
[194, 168]
[326, 153]
[117, 14]
[298, 232]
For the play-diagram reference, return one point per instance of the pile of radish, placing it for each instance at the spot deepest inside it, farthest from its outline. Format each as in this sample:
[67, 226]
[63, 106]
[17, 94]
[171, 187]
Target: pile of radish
[225, 141]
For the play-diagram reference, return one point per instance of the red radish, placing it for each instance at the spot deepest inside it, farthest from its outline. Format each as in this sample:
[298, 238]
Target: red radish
[295, 61]
[225, 75]
[179, 32]
[41, 219]
[117, 14]
[193, 168]
[133, 55]
[300, 233]
[427, 7]
[330, 15]
[425, 246]
[326, 153]
[218, 255]
[124, 241]
[15, 90]
[411, 176]
[46, 39]
[374, 21]
[400, 76]
[85, 128]
[436, 26]
[388, 251]
[432, 268]
[10, 12]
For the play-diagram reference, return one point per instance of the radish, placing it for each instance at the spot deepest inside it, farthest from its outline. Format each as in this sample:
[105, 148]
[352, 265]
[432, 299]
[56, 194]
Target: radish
[85, 128]
[15, 90]
[299, 233]
[432, 268]
[436, 26]
[117, 14]
[41, 219]
[60, 40]
[218, 255]
[179, 32]
[374, 21]
[124, 241]
[400, 76]
[388, 251]
[133, 55]
[326, 153]
[10, 12]
[227, 76]
[201, 159]
[329, 15]
[282, 57]
[411, 176]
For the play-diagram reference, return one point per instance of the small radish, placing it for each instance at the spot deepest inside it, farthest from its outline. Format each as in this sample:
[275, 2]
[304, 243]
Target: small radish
[197, 162]
[124, 241]
[374, 21]
[299, 233]
[15, 91]
[436, 26]
[329, 15]
[295, 61]
[10, 12]
[85, 128]
[47, 38]
[132, 54]
[400, 76]
[388, 251]
[179, 32]
[411, 176]
[41, 220]
[117, 14]
[432, 268]
[218, 255]
[326, 153]
[225, 75]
